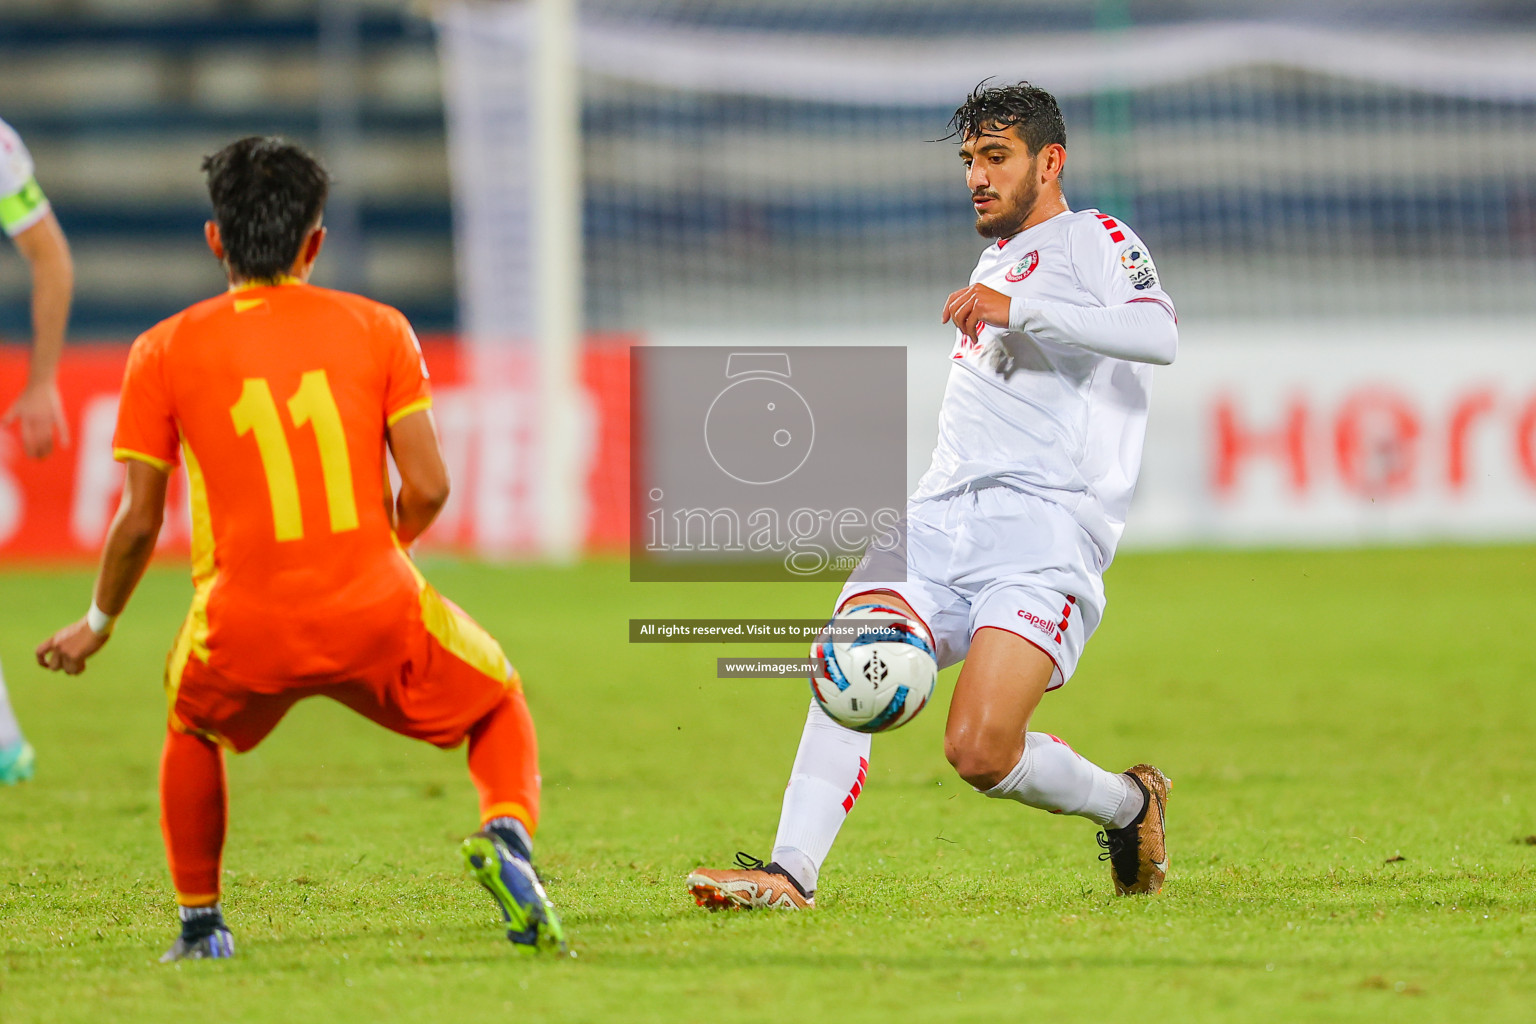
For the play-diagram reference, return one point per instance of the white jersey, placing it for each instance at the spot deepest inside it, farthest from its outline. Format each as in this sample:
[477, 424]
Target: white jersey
[22, 203]
[1056, 420]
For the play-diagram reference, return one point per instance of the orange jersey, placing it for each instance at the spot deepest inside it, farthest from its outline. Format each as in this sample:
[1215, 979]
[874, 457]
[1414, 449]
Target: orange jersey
[277, 400]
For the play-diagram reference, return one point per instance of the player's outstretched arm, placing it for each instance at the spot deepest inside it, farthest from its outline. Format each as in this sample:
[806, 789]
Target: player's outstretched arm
[423, 474]
[1141, 330]
[38, 413]
[129, 547]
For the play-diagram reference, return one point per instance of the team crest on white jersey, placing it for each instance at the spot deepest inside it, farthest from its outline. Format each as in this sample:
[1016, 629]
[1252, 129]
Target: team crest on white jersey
[1024, 267]
[1138, 266]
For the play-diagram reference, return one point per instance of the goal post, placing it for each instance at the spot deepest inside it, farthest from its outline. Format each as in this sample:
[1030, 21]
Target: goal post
[557, 189]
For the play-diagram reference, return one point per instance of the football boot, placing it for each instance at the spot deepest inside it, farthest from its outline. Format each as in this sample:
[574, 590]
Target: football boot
[217, 944]
[749, 885]
[17, 762]
[1138, 853]
[532, 923]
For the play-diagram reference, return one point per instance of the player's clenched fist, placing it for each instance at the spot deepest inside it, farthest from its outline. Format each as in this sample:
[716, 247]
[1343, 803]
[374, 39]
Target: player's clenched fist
[972, 308]
[67, 649]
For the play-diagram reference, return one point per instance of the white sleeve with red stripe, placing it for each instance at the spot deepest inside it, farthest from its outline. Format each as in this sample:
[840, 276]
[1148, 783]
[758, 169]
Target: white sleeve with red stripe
[1115, 266]
[1134, 318]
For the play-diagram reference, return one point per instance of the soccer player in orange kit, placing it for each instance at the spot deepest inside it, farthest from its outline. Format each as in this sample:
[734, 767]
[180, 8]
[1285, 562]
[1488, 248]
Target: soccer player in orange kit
[279, 398]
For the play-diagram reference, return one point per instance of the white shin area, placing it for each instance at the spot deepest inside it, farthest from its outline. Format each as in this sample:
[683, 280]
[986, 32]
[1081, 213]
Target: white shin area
[828, 776]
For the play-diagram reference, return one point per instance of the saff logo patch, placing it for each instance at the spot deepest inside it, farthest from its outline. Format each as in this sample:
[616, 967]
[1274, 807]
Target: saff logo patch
[1024, 267]
[1138, 266]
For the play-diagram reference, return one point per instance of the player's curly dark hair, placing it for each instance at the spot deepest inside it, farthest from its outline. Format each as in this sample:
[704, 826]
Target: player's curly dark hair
[267, 193]
[1028, 109]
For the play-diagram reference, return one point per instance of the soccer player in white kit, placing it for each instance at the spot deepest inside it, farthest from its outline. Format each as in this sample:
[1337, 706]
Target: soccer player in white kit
[37, 413]
[1011, 529]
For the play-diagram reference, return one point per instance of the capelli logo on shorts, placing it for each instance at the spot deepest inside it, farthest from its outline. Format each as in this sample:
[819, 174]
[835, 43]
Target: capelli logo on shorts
[1045, 626]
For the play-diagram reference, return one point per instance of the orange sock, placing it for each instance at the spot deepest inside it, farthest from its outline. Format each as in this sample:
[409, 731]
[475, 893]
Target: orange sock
[194, 809]
[504, 763]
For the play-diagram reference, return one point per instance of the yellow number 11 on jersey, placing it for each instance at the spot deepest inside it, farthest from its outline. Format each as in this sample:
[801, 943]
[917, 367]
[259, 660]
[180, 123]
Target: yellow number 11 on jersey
[313, 403]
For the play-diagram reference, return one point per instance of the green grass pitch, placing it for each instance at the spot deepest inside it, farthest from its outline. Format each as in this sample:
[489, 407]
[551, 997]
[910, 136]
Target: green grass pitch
[1352, 736]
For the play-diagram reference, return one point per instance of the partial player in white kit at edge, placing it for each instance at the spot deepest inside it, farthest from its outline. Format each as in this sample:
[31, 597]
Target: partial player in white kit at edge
[37, 414]
[1011, 529]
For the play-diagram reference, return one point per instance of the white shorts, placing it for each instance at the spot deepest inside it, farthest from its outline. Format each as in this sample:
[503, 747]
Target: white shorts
[998, 557]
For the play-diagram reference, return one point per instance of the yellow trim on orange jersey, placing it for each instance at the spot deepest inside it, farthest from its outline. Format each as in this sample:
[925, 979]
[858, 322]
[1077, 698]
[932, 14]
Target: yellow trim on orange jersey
[463, 637]
[405, 556]
[510, 810]
[460, 635]
[123, 454]
[202, 522]
[277, 282]
[192, 640]
[405, 410]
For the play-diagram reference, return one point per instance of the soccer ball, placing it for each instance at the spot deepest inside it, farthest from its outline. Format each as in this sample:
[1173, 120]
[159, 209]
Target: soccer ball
[881, 677]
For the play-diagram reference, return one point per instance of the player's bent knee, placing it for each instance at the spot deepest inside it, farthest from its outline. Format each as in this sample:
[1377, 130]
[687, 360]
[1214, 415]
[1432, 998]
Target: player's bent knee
[980, 765]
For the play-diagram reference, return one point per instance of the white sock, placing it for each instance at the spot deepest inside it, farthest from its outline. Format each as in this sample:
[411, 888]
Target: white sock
[10, 729]
[1056, 778]
[828, 776]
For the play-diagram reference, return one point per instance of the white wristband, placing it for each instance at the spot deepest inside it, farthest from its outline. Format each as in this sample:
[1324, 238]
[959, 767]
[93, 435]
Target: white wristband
[99, 621]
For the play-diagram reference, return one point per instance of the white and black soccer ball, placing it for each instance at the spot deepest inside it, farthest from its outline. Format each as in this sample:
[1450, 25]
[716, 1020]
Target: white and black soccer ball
[881, 677]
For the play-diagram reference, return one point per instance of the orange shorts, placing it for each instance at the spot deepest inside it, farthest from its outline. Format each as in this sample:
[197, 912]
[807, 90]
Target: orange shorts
[455, 675]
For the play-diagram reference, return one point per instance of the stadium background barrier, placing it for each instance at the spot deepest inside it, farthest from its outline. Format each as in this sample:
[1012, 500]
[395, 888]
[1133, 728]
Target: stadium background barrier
[1338, 211]
[1346, 218]
[59, 508]
[1286, 434]
[788, 177]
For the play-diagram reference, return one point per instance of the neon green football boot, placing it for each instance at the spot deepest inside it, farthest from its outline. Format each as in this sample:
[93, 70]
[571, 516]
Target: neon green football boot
[531, 921]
